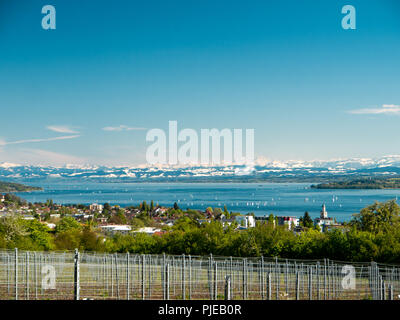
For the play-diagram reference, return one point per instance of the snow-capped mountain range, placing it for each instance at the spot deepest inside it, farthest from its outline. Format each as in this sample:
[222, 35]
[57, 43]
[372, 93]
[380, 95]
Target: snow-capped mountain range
[262, 170]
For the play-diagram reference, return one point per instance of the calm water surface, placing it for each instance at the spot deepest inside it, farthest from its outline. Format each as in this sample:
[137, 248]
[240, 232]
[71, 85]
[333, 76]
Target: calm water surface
[261, 198]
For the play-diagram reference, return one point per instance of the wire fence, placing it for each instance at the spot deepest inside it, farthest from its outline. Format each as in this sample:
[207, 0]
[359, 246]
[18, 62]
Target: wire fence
[26, 275]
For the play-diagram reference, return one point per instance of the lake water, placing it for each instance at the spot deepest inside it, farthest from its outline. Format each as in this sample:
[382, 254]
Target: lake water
[261, 198]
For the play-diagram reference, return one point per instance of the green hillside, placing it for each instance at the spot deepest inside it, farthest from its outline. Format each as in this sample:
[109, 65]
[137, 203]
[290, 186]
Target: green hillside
[369, 183]
[15, 187]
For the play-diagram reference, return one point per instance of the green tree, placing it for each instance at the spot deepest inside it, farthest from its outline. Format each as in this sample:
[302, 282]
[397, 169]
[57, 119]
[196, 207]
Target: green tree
[106, 209]
[137, 223]
[185, 224]
[40, 234]
[226, 212]
[90, 241]
[118, 218]
[12, 228]
[379, 217]
[217, 212]
[68, 240]
[306, 220]
[66, 224]
[209, 211]
[271, 220]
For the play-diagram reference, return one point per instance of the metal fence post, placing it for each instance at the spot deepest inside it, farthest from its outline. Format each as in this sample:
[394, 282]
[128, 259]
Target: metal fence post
[190, 277]
[112, 276]
[167, 281]
[318, 284]
[310, 283]
[76, 276]
[329, 279]
[324, 279]
[244, 279]
[150, 276]
[127, 276]
[377, 283]
[297, 286]
[287, 276]
[27, 275]
[183, 277]
[163, 271]
[227, 287]
[277, 278]
[143, 275]
[390, 292]
[215, 281]
[16, 273]
[262, 278]
[269, 286]
[35, 275]
[8, 274]
[232, 274]
[209, 276]
[116, 274]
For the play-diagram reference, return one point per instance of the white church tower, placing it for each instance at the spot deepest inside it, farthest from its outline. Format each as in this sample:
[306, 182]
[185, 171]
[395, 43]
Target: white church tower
[324, 213]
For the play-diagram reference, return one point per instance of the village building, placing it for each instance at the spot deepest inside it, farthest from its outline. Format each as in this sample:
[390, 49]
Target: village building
[50, 225]
[323, 221]
[148, 230]
[289, 221]
[96, 207]
[245, 222]
[113, 229]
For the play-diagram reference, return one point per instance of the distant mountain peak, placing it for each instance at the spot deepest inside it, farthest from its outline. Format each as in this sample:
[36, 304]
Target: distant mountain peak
[262, 169]
[8, 165]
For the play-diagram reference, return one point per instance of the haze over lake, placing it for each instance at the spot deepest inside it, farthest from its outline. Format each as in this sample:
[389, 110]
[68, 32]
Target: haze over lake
[261, 198]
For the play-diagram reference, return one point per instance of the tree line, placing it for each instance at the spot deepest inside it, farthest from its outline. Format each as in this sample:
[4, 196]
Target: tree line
[371, 234]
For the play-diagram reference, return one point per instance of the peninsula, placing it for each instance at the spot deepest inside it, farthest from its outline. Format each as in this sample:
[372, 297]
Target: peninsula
[363, 183]
[16, 187]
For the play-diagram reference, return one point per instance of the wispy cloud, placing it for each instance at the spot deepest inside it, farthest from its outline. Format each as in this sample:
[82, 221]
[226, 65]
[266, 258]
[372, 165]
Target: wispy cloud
[123, 128]
[4, 143]
[61, 129]
[385, 109]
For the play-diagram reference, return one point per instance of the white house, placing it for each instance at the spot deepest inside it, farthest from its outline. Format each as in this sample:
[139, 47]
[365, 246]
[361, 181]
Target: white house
[96, 207]
[289, 221]
[169, 223]
[245, 221]
[148, 230]
[114, 228]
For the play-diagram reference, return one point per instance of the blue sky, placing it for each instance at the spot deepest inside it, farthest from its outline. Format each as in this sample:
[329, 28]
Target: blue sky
[310, 89]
